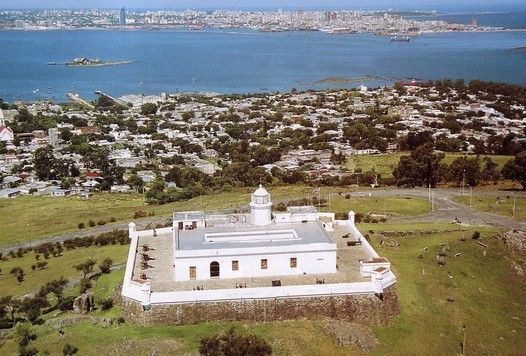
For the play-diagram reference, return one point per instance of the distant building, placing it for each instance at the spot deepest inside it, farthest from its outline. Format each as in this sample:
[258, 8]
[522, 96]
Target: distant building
[122, 17]
[54, 138]
[6, 134]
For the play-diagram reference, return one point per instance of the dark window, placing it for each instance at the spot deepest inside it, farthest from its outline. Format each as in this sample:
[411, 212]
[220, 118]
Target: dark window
[214, 269]
[293, 262]
[235, 265]
[264, 263]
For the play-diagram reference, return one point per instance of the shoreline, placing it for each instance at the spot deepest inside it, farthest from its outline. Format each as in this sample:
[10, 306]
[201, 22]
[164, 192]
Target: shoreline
[222, 30]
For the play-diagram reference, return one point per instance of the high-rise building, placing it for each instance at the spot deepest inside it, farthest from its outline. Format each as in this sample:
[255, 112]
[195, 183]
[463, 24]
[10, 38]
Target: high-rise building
[122, 17]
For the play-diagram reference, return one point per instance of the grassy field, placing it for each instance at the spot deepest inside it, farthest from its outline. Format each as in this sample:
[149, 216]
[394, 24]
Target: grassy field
[488, 299]
[502, 205]
[384, 164]
[389, 205]
[28, 218]
[61, 266]
[488, 296]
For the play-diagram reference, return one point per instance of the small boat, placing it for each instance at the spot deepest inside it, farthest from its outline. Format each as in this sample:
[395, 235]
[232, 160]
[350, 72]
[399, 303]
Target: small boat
[400, 38]
[52, 63]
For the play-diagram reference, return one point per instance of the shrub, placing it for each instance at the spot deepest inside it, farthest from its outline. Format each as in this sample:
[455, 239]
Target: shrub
[81, 225]
[231, 343]
[358, 218]
[140, 214]
[41, 264]
[84, 285]
[66, 303]
[476, 235]
[101, 222]
[347, 196]
[281, 207]
[106, 304]
[69, 350]
[342, 216]
[105, 265]
[112, 219]
[91, 223]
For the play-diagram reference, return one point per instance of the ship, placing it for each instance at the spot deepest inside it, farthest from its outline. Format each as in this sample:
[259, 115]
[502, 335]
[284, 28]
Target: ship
[398, 38]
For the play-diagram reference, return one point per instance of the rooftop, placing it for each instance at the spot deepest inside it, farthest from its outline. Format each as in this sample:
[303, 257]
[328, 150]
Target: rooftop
[161, 275]
[250, 236]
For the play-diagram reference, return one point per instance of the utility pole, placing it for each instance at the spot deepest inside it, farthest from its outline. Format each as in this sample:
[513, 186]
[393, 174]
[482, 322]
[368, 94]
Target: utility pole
[429, 192]
[433, 201]
[463, 181]
[142, 94]
[513, 208]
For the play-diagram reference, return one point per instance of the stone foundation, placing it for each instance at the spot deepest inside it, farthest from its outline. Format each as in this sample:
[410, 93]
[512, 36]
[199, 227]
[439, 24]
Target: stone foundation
[363, 309]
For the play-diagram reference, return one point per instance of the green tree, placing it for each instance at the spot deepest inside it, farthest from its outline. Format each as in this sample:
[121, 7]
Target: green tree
[515, 169]
[44, 163]
[465, 169]
[85, 267]
[105, 265]
[421, 168]
[490, 171]
[149, 109]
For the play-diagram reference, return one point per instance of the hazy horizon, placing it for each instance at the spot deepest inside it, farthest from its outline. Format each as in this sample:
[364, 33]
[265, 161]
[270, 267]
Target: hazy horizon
[462, 5]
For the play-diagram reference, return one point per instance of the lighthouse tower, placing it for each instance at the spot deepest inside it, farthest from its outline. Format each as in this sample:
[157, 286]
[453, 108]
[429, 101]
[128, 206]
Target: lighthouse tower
[261, 207]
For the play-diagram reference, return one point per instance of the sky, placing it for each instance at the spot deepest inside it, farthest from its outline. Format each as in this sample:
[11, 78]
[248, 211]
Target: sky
[474, 5]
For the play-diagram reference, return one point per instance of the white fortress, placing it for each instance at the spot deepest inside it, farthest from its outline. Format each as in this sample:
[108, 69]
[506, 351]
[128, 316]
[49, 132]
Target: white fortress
[300, 253]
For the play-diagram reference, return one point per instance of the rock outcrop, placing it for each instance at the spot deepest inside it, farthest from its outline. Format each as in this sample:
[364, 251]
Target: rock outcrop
[84, 303]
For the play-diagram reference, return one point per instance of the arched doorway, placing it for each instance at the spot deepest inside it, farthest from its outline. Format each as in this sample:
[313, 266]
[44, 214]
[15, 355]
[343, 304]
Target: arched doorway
[214, 269]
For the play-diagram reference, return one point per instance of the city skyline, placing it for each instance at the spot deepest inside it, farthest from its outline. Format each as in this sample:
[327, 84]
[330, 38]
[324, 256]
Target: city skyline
[273, 4]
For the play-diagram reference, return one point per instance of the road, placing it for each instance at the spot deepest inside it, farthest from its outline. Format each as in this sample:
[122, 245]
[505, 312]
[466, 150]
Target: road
[446, 210]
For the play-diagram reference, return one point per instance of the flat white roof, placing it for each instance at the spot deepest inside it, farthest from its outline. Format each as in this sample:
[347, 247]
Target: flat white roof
[250, 236]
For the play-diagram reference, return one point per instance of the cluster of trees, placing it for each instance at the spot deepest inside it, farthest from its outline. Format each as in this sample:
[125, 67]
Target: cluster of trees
[24, 121]
[48, 167]
[108, 238]
[190, 182]
[424, 167]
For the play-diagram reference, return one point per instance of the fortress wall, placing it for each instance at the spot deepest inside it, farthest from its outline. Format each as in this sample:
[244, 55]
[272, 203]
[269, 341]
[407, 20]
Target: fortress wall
[364, 308]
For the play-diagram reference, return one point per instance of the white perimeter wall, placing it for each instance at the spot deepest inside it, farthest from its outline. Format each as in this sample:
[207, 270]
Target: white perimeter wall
[143, 294]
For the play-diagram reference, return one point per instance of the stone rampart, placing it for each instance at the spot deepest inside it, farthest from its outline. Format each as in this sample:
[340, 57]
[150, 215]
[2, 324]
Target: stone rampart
[361, 308]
